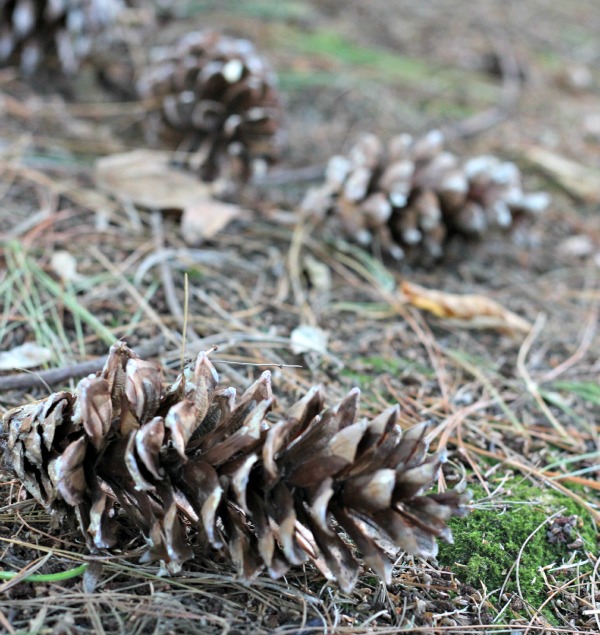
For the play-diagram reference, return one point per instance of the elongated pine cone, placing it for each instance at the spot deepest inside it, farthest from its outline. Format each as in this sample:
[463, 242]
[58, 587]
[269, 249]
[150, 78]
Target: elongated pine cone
[194, 466]
[33, 32]
[407, 197]
[217, 103]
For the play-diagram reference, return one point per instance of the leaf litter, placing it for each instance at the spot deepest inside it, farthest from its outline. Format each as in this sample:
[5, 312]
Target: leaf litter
[246, 296]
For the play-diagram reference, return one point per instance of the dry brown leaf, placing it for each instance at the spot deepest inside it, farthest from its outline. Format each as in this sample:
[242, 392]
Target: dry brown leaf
[308, 339]
[474, 311]
[577, 179]
[146, 178]
[28, 355]
[203, 219]
[64, 265]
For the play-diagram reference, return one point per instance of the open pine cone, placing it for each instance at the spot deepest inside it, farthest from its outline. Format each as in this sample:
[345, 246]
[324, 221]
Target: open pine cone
[194, 466]
[410, 195]
[217, 102]
[35, 31]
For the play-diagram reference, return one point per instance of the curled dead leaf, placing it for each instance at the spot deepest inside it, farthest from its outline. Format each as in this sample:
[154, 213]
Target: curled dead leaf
[308, 339]
[28, 355]
[64, 265]
[577, 179]
[474, 311]
[147, 178]
[202, 219]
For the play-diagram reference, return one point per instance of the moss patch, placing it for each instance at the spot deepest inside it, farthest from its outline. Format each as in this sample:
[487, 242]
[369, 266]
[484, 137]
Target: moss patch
[366, 368]
[377, 64]
[487, 542]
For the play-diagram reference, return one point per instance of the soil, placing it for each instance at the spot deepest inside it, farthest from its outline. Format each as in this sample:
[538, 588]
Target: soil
[508, 78]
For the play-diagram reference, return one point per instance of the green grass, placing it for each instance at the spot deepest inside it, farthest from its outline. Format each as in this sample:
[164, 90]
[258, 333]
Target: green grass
[46, 577]
[382, 65]
[366, 371]
[588, 390]
[41, 300]
[265, 9]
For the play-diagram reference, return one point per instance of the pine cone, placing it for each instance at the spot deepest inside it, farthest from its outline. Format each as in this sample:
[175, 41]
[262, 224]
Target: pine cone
[217, 102]
[193, 465]
[34, 31]
[410, 195]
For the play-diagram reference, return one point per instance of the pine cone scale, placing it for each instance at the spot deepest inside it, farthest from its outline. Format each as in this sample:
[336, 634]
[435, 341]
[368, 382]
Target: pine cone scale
[36, 30]
[69, 473]
[190, 464]
[409, 196]
[217, 102]
[372, 554]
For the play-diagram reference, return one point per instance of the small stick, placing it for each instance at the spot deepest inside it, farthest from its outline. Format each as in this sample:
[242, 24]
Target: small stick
[186, 307]
[168, 282]
[24, 381]
[507, 103]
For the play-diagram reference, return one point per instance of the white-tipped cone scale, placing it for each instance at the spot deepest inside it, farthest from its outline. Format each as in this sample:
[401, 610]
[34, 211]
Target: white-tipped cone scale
[406, 198]
[217, 103]
[34, 33]
[189, 466]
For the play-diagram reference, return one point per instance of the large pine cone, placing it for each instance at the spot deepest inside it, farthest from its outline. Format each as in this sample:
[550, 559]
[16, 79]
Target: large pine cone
[407, 197]
[217, 102]
[35, 31]
[193, 465]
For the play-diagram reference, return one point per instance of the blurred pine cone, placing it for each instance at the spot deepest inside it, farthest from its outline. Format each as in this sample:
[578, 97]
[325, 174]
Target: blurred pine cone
[33, 32]
[194, 465]
[217, 102]
[407, 197]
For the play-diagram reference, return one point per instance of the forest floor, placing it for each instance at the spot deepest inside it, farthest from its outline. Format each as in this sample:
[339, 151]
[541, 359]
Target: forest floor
[521, 412]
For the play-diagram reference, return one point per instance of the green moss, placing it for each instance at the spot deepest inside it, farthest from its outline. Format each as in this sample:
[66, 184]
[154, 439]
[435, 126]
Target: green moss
[364, 369]
[380, 64]
[291, 79]
[488, 541]
[394, 365]
[195, 274]
[264, 9]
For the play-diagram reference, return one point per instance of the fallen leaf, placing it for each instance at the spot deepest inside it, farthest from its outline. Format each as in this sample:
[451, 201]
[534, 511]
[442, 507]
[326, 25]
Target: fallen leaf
[203, 219]
[318, 274]
[28, 355]
[308, 339]
[146, 178]
[577, 179]
[475, 311]
[64, 265]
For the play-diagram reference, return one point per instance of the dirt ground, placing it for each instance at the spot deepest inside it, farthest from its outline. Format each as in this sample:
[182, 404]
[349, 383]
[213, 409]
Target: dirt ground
[517, 79]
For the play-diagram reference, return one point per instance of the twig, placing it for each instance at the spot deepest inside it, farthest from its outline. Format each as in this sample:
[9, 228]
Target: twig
[522, 549]
[593, 593]
[24, 573]
[167, 279]
[509, 96]
[586, 341]
[134, 293]
[529, 470]
[531, 386]
[60, 375]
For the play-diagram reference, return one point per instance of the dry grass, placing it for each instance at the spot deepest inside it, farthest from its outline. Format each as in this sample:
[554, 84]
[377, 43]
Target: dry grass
[513, 412]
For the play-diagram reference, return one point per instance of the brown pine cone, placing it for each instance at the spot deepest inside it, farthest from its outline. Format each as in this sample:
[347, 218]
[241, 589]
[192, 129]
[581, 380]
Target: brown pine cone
[217, 103]
[194, 465]
[33, 32]
[410, 195]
